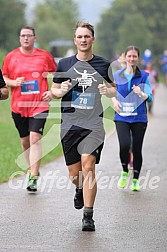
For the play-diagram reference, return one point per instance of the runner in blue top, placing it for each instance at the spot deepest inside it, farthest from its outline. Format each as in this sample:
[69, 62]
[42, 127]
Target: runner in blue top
[133, 90]
[80, 80]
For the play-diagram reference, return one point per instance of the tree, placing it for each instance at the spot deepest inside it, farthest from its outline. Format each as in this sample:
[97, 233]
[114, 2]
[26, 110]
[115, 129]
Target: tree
[131, 36]
[156, 19]
[11, 20]
[127, 22]
[54, 19]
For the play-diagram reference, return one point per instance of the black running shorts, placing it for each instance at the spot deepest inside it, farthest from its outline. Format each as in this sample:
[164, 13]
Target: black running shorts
[82, 141]
[26, 124]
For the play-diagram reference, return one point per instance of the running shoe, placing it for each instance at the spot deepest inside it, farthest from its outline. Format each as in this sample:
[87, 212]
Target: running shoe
[123, 179]
[135, 185]
[88, 223]
[78, 199]
[32, 183]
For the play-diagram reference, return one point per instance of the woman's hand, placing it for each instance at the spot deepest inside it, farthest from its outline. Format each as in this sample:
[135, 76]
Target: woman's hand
[137, 90]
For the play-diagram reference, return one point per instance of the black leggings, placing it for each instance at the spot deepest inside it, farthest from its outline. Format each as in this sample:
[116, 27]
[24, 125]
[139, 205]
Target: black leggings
[125, 131]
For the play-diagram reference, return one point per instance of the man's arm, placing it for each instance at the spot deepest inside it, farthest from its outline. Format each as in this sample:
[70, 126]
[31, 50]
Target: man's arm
[108, 89]
[14, 83]
[60, 89]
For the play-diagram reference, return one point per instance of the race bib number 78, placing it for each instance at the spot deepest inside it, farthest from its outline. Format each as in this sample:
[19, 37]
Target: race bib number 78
[83, 100]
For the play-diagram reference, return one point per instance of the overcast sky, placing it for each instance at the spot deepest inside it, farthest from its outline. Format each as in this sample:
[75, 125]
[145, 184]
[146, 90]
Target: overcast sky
[89, 9]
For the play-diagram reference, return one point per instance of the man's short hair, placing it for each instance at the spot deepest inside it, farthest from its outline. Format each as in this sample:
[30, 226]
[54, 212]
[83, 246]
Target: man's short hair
[84, 25]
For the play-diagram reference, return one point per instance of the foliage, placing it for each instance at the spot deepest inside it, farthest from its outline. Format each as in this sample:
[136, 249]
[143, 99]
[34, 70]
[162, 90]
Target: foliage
[54, 19]
[142, 23]
[11, 20]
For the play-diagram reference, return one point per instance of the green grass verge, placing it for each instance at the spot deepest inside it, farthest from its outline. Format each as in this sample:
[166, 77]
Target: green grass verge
[11, 158]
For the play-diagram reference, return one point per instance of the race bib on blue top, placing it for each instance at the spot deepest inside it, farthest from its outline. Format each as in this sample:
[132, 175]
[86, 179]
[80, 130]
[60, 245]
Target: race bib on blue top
[83, 100]
[30, 87]
[128, 109]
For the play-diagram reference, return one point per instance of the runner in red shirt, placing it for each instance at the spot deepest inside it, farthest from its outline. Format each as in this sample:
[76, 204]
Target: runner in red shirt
[25, 71]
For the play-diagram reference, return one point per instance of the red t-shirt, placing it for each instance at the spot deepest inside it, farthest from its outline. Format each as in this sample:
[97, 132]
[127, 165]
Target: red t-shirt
[27, 100]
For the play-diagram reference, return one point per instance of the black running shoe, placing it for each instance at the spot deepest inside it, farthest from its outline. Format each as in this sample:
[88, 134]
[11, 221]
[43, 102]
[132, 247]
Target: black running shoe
[88, 223]
[78, 199]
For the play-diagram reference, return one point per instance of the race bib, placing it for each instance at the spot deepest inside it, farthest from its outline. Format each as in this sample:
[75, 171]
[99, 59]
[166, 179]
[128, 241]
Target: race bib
[83, 100]
[128, 109]
[30, 87]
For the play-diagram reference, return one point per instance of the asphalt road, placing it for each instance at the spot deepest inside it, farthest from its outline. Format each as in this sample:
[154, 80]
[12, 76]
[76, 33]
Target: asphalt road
[125, 220]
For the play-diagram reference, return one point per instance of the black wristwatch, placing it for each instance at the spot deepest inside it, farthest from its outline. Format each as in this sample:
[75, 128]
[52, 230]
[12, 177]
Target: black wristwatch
[0, 94]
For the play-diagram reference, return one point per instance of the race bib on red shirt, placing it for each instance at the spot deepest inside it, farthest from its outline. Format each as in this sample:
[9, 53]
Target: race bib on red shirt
[30, 87]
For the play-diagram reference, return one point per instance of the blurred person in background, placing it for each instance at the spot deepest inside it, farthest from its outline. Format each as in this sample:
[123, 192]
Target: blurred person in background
[153, 78]
[163, 63]
[146, 58]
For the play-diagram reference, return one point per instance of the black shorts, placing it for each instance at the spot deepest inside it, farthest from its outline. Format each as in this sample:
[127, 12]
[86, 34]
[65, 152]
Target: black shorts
[82, 141]
[26, 124]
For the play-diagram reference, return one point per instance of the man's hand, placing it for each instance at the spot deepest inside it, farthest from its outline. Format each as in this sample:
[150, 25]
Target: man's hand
[19, 82]
[59, 90]
[102, 89]
[4, 93]
[65, 86]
